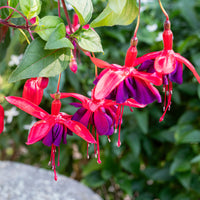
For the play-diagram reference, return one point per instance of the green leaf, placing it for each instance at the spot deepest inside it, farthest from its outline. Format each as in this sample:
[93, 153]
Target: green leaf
[133, 141]
[117, 5]
[110, 18]
[188, 117]
[187, 10]
[30, 8]
[89, 40]
[39, 62]
[94, 179]
[185, 179]
[142, 120]
[188, 136]
[179, 164]
[58, 40]
[130, 164]
[47, 25]
[196, 159]
[14, 4]
[83, 8]
[157, 174]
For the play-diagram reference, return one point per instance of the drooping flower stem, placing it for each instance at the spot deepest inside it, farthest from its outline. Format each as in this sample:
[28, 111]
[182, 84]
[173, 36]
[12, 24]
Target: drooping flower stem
[96, 70]
[58, 82]
[98, 149]
[67, 16]
[120, 123]
[59, 8]
[163, 10]
[138, 21]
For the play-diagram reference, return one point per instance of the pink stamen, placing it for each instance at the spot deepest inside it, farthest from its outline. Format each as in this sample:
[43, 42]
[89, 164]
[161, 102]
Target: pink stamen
[165, 100]
[168, 101]
[93, 133]
[117, 117]
[119, 141]
[130, 109]
[88, 151]
[52, 160]
[98, 149]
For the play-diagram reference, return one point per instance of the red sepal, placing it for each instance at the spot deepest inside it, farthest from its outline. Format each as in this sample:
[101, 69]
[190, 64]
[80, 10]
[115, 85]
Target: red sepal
[108, 82]
[1, 119]
[39, 130]
[28, 107]
[100, 63]
[183, 60]
[80, 130]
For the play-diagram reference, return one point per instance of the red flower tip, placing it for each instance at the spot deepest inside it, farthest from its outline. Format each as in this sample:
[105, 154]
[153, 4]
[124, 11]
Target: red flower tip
[73, 64]
[55, 107]
[75, 20]
[32, 91]
[130, 56]
[33, 20]
[1, 119]
[42, 82]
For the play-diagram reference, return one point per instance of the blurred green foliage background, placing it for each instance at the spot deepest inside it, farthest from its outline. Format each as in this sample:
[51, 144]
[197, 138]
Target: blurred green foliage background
[156, 160]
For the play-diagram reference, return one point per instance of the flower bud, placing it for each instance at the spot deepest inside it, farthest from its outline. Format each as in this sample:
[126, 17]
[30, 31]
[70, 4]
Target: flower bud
[32, 91]
[33, 20]
[42, 82]
[73, 64]
[1, 119]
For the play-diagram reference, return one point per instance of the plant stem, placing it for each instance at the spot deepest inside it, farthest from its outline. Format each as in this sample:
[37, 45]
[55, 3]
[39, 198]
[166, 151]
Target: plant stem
[138, 21]
[24, 35]
[59, 8]
[58, 82]
[17, 12]
[96, 70]
[163, 10]
[67, 16]
[12, 25]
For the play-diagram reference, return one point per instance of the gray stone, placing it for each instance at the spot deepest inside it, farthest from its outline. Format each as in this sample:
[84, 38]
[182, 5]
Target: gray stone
[23, 182]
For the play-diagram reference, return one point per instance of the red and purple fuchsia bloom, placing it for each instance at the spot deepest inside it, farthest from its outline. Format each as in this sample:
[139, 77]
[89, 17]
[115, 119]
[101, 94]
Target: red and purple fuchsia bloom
[120, 83]
[167, 63]
[52, 128]
[1, 119]
[101, 116]
[75, 26]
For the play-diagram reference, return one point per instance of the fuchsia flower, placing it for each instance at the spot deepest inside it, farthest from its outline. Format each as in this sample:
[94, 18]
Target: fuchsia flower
[101, 115]
[120, 83]
[76, 25]
[33, 89]
[52, 128]
[1, 119]
[168, 63]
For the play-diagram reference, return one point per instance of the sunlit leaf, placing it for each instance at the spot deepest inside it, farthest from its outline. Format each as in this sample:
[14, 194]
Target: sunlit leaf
[57, 39]
[83, 8]
[30, 8]
[47, 25]
[110, 18]
[39, 62]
